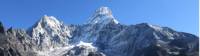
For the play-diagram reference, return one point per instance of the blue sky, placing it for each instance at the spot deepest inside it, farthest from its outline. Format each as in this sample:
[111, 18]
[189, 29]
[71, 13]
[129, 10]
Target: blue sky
[181, 15]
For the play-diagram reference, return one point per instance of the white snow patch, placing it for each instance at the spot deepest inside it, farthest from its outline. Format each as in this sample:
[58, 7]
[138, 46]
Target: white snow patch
[54, 51]
[155, 27]
[58, 51]
[85, 44]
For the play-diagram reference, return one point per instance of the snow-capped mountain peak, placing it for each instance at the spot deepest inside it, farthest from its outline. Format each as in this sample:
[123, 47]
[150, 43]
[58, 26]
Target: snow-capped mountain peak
[104, 11]
[103, 15]
[50, 21]
[49, 32]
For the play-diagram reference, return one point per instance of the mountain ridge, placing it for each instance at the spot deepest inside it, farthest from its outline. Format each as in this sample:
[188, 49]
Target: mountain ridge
[102, 15]
[102, 35]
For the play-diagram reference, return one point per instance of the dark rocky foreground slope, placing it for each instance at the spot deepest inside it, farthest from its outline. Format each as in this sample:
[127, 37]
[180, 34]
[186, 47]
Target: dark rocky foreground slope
[15, 42]
[102, 35]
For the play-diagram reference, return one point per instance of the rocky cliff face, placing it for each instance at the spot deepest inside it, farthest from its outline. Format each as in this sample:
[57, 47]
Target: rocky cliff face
[15, 42]
[102, 35]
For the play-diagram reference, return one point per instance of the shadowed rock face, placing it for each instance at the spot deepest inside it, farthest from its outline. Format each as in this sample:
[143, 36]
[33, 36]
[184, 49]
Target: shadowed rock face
[1, 28]
[15, 43]
[146, 40]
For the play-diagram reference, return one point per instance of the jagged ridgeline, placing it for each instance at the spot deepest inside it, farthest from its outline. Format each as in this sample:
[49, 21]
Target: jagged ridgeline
[15, 42]
[101, 35]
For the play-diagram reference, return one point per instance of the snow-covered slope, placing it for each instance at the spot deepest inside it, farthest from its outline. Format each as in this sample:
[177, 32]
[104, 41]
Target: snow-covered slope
[103, 15]
[49, 33]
